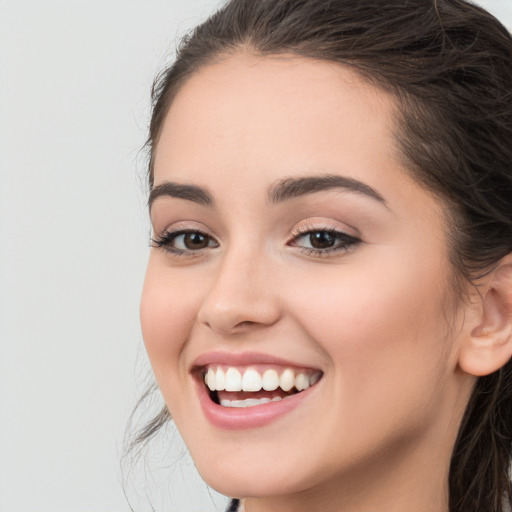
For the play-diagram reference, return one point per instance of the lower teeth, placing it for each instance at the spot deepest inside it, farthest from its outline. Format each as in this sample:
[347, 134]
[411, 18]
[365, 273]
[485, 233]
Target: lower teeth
[249, 402]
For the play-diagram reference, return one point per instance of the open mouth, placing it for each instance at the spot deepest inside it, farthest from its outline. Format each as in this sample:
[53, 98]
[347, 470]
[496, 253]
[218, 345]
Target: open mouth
[253, 386]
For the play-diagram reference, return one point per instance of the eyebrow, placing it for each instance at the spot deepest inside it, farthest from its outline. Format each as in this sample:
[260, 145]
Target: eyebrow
[180, 191]
[294, 187]
[285, 189]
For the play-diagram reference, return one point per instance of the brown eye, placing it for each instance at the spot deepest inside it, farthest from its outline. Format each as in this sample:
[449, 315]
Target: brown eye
[322, 242]
[195, 241]
[322, 239]
[184, 242]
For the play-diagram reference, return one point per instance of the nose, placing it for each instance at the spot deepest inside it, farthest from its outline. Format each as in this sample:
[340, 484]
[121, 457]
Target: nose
[242, 296]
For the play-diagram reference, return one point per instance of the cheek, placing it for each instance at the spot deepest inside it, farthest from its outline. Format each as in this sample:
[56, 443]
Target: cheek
[384, 331]
[167, 311]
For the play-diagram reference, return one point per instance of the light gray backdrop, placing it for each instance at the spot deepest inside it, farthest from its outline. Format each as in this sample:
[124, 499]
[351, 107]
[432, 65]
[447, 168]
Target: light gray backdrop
[74, 104]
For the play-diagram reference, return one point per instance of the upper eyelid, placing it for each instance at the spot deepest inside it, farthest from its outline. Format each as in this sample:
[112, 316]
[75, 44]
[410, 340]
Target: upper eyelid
[325, 226]
[186, 226]
[168, 236]
[312, 229]
[336, 232]
[296, 232]
[300, 229]
[174, 233]
[307, 228]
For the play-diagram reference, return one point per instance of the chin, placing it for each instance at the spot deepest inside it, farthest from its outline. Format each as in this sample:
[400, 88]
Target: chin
[252, 482]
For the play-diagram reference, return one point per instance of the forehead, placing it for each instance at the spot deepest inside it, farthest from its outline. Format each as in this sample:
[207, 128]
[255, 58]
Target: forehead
[281, 111]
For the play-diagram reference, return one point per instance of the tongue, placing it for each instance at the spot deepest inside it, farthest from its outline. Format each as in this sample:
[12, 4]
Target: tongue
[243, 395]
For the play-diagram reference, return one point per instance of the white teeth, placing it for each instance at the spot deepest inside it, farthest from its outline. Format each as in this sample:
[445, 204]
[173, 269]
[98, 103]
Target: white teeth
[287, 380]
[233, 380]
[270, 380]
[314, 378]
[251, 381]
[220, 380]
[301, 382]
[249, 402]
[210, 379]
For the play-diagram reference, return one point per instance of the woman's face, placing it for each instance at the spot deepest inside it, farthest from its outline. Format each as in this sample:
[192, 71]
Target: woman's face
[290, 242]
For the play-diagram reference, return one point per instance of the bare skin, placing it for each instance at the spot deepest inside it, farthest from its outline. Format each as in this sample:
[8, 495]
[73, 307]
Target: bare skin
[374, 311]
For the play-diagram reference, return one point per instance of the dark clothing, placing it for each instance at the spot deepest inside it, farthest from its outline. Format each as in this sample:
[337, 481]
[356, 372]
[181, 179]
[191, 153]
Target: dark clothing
[233, 506]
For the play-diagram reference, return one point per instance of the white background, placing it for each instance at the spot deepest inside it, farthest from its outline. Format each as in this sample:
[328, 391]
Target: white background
[74, 105]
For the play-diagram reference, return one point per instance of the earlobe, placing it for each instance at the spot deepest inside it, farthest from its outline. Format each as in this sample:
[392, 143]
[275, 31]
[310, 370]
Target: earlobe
[488, 345]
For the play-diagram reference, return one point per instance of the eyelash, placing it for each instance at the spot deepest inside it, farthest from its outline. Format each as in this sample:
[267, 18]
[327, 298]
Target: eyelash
[166, 239]
[344, 241]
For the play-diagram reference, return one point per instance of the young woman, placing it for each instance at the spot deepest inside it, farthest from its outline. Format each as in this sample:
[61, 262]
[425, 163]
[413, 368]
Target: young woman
[328, 300]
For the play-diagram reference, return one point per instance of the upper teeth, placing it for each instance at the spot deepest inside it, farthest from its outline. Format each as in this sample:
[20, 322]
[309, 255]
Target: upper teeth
[232, 379]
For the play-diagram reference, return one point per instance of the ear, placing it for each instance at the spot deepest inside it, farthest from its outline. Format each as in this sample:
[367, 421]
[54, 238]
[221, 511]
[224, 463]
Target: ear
[488, 345]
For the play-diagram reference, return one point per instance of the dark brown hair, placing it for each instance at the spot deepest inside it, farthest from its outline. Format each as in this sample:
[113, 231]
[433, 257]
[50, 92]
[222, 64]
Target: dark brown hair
[448, 63]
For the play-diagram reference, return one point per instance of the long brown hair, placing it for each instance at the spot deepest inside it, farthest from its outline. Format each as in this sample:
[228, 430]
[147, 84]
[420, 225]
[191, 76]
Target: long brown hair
[448, 63]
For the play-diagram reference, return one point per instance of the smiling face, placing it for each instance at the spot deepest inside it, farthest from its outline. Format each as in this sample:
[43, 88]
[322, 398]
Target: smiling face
[290, 243]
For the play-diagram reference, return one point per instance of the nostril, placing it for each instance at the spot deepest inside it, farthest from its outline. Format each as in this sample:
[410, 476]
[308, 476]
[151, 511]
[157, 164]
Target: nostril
[245, 323]
[234, 305]
[224, 326]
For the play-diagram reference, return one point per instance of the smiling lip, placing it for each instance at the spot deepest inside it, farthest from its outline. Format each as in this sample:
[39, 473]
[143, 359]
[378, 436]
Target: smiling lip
[231, 418]
[243, 359]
